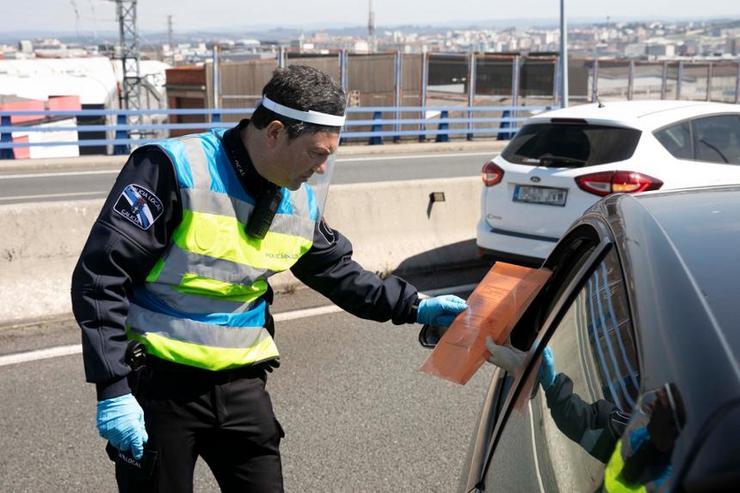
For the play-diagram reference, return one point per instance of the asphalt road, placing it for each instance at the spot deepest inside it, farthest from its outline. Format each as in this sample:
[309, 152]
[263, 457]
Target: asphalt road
[38, 186]
[358, 415]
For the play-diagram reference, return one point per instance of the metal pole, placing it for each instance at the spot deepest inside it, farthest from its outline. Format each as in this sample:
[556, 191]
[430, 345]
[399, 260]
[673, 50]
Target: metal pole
[398, 89]
[563, 57]
[471, 90]
[737, 85]
[556, 82]
[423, 101]
[281, 57]
[515, 69]
[595, 81]
[709, 81]
[631, 80]
[664, 81]
[343, 70]
[216, 83]
[679, 79]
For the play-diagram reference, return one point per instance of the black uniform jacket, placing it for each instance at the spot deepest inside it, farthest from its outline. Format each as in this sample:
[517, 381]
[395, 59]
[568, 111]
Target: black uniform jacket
[120, 252]
[596, 426]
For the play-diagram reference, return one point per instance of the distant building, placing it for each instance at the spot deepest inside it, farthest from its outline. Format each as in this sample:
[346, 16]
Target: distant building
[15, 103]
[95, 81]
[660, 49]
[25, 46]
[634, 50]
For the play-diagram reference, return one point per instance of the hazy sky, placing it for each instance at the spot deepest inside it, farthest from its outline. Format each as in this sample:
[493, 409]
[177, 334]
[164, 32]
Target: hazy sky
[99, 15]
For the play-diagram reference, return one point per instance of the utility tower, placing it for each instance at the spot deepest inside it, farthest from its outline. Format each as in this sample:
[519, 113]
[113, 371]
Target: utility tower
[171, 38]
[128, 40]
[371, 27]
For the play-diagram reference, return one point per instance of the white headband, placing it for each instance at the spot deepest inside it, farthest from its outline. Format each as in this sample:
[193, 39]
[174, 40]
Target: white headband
[304, 116]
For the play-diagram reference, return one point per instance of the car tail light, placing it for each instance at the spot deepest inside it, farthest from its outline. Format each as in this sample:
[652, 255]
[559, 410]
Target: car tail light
[606, 182]
[491, 174]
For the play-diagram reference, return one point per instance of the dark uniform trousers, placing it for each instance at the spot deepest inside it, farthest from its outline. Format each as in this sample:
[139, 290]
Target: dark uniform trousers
[225, 417]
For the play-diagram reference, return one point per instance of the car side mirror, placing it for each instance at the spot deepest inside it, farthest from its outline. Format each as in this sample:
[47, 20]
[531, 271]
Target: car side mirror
[429, 335]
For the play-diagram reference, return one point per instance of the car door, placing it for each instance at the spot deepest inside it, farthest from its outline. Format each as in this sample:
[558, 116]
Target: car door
[560, 440]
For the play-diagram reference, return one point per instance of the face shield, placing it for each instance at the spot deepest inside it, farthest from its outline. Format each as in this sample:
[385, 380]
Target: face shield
[319, 181]
[319, 184]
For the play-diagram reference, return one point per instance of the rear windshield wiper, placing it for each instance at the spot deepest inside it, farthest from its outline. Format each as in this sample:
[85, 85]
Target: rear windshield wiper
[549, 160]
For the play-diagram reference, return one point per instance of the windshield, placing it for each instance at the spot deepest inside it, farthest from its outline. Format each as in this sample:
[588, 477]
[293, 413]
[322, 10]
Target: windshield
[571, 145]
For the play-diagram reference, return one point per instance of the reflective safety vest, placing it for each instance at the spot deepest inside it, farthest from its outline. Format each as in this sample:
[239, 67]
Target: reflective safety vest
[613, 481]
[654, 471]
[201, 304]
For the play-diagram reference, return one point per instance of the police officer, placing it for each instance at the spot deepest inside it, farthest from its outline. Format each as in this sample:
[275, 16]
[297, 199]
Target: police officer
[178, 262]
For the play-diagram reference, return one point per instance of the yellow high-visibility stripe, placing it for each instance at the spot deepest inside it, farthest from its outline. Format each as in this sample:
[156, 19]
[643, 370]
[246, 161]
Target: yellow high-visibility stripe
[222, 290]
[613, 482]
[153, 276]
[224, 238]
[206, 357]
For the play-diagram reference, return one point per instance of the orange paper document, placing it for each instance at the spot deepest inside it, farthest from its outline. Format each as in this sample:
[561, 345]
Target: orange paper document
[494, 308]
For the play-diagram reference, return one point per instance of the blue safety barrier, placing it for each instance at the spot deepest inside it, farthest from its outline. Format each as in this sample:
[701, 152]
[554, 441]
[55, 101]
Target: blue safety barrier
[152, 125]
[6, 137]
[443, 126]
[121, 149]
[505, 125]
[376, 128]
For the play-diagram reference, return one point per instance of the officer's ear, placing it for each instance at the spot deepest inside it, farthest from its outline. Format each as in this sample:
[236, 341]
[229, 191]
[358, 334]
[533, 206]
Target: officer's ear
[273, 132]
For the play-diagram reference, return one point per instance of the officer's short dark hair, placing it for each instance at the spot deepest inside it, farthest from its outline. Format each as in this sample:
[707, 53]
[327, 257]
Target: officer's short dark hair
[302, 88]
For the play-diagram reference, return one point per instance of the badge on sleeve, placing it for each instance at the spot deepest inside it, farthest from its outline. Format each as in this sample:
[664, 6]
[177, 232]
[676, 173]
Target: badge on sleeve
[139, 205]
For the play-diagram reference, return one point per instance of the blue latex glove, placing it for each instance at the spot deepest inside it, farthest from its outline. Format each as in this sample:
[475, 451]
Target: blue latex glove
[120, 420]
[547, 369]
[440, 311]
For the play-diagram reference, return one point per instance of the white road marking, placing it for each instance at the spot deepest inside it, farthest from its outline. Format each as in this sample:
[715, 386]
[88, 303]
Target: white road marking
[61, 173]
[324, 310]
[28, 356]
[339, 160]
[54, 195]
[415, 156]
[12, 359]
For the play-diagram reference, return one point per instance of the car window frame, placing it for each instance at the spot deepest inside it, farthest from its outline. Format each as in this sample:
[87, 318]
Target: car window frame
[687, 121]
[572, 122]
[693, 136]
[690, 120]
[565, 259]
[567, 293]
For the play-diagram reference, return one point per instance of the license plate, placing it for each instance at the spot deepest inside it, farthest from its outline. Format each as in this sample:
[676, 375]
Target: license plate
[540, 195]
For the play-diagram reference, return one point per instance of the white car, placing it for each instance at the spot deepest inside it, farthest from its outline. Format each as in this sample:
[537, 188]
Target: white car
[563, 161]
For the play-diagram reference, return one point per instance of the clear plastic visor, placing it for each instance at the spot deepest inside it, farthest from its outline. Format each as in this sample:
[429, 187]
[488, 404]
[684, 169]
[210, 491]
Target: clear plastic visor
[320, 182]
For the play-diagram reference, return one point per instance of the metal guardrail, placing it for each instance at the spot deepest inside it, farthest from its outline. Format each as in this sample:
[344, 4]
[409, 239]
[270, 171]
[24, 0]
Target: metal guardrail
[128, 134]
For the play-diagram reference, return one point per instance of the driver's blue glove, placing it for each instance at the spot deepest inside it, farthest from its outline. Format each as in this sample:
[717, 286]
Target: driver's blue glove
[120, 420]
[440, 311]
[547, 369]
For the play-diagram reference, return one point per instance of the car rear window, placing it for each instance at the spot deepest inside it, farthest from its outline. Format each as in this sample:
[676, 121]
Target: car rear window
[571, 145]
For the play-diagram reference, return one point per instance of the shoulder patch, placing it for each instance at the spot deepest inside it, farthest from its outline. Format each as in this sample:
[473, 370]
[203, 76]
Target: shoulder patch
[326, 231]
[139, 205]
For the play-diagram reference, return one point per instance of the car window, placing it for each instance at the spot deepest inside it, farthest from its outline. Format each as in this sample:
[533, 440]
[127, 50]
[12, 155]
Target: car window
[561, 439]
[717, 139]
[677, 140]
[571, 145]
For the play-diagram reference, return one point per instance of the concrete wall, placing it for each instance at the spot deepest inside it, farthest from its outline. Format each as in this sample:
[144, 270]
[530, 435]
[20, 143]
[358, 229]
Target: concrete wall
[391, 225]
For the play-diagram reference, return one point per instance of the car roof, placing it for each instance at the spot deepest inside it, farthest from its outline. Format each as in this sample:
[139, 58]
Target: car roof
[680, 250]
[703, 225]
[645, 115]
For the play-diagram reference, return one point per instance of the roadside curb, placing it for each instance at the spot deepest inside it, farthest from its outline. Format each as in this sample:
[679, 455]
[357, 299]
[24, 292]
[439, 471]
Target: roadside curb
[83, 163]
